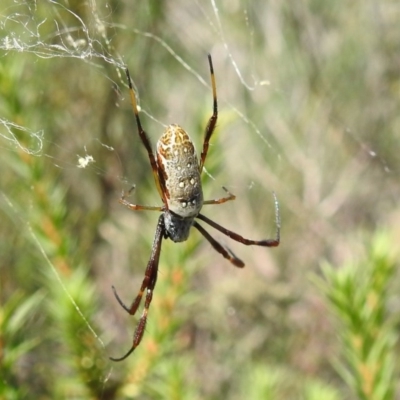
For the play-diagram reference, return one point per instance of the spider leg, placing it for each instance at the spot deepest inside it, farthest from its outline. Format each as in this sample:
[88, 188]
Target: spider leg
[136, 207]
[145, 139]
[222, 199]
[226, 253]
[148, 285]
[247, 242]
[213, 120]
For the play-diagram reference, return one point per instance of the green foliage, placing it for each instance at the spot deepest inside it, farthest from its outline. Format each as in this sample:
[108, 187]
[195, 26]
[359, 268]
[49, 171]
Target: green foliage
[359, 294]
[17, 317]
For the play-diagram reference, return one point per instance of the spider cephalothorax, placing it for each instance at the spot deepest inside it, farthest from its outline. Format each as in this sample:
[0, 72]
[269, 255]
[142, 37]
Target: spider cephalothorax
[177, 173]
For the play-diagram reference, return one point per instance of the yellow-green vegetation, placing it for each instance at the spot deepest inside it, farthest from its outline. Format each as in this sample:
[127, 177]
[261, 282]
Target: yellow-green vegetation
[308, 108]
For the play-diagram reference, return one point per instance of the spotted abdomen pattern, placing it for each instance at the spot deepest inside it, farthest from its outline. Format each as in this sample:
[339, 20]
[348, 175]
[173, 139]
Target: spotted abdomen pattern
[178, 164]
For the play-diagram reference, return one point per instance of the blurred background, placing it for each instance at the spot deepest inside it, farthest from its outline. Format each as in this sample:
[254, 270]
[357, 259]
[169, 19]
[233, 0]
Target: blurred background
[309, 98]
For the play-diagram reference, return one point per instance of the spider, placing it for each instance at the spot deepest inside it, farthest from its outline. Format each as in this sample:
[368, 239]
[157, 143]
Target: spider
[177, 174]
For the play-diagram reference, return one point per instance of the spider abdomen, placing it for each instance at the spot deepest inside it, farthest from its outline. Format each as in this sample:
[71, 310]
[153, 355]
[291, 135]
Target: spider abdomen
[178, 164]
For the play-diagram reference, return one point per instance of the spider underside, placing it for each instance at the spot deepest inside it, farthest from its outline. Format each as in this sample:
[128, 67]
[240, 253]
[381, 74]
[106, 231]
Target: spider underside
[177, 174]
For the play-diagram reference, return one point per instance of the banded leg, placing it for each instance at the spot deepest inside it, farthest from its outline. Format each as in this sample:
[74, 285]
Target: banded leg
[145, 140]
[148, 285]
[213, 120]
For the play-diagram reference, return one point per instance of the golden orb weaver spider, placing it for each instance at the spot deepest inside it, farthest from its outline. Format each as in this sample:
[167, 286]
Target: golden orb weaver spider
[177, 174]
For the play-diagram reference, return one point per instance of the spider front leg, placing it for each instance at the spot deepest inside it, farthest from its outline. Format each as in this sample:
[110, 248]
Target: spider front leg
[148, 285]
[266, 242]
[226, 252]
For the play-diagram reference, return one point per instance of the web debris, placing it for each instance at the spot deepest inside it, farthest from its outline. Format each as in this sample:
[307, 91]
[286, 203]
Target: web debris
[9, 136]
[84, 161]
[80, 41]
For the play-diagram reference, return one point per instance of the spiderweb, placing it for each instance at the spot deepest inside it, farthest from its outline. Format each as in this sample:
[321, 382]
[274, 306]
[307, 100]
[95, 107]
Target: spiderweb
[305, 111]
